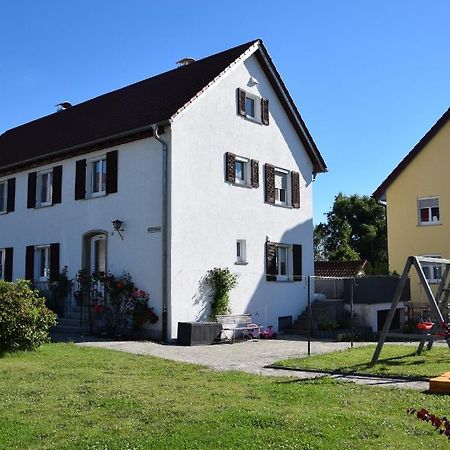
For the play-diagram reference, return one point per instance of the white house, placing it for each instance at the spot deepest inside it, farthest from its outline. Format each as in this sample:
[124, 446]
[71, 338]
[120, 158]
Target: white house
[207, 165]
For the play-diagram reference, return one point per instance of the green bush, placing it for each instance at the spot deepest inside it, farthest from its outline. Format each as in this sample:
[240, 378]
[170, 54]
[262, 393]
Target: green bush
[24, 318]
[221, 281]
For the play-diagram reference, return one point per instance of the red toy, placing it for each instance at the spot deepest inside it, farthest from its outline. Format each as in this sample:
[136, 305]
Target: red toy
[268, 333]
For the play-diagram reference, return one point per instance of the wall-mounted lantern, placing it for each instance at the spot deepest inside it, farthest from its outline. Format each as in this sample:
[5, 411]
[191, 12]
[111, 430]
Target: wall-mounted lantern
[118, 226]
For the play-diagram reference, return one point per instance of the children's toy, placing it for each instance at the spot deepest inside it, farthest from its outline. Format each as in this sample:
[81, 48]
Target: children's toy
[268, 333]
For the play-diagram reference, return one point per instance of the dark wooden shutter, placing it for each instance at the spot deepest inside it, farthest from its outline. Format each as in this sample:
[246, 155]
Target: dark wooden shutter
[29, 263]
[271, 261]
[255, 173]
[230, 167]
[8, 270]
[241, 102]
[111, 172]
[80, 180]
[295, 187]
[57, 184]
[54, 261]
[297, 262]
[11, 203]
[269, 183]
[31, 199]
[265, 111]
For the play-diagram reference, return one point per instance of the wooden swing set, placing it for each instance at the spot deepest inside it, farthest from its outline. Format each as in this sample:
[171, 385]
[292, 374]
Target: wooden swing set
[437, 328]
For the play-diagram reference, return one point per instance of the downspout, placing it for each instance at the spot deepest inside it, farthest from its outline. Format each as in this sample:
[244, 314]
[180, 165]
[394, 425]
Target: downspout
[165, 240]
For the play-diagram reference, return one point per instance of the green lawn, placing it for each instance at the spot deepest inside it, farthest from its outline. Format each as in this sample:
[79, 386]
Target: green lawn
[394, 360]
[64, 396]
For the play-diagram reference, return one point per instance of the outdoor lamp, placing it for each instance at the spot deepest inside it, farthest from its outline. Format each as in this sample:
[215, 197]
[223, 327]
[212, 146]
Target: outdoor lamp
[118, 226]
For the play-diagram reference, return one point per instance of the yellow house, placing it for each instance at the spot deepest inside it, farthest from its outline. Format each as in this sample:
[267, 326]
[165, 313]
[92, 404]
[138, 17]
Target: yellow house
[417, 198]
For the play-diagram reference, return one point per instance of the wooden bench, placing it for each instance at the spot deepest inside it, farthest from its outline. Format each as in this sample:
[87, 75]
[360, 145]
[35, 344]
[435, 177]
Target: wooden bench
[239, 322]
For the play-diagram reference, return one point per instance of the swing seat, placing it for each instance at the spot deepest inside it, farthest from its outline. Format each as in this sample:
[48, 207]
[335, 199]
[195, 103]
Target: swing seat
[424, 326]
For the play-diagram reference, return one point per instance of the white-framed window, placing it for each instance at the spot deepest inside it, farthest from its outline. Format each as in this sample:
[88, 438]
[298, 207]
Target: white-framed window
[428, 210]
[252, 107]
[283, 264]
[282, 185]
[42, 262]
[97, 176]
[242, 171]
[2, 263]
[241, 251]
[44, 189]
[3, 197]
[432, 272]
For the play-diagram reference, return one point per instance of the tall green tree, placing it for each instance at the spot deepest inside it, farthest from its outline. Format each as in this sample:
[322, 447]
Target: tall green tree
[355, 229]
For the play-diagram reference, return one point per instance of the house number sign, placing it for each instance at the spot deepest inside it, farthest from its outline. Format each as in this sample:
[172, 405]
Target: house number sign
[154, 229]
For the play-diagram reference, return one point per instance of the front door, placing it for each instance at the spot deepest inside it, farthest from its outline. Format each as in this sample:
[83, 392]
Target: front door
[98, 253]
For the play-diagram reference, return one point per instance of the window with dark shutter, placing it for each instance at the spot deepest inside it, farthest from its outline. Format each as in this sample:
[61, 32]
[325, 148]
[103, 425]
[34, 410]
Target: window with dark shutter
[80, 180]
[255, 173]
[57, 184]
[31, 197]
[111, 172]
[54, 262]
[241, 102]
[269, 183]
[297, 262]
[295, 187]
[29, 263]
[11, 201]
[230, 167]
[271, 261]
[265, 111]
[8, 271]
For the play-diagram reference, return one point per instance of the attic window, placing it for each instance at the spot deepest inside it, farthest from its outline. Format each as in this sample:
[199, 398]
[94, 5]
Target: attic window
[253, 107]
[428, 209]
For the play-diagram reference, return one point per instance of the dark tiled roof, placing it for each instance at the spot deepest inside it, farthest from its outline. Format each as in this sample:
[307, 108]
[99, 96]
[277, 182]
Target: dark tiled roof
[127, 111]
[411, 155]
[340, 268]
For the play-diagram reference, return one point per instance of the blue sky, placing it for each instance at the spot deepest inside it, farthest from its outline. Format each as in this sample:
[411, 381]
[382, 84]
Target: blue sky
[369, 77]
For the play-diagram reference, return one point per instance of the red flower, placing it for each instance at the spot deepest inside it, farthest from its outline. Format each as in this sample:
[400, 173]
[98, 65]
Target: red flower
[98, 308]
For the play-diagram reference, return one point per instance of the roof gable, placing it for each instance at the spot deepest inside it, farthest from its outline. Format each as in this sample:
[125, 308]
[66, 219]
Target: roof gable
[132, 110]
[381, 190]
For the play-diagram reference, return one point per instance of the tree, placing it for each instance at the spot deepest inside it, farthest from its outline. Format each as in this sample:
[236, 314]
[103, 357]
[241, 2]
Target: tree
[355, 229]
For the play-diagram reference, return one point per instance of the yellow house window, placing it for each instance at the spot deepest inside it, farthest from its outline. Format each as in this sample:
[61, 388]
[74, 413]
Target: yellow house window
[429, 213]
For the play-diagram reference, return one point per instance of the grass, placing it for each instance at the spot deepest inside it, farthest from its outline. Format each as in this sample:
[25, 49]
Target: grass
[64, 396]
[394, 360]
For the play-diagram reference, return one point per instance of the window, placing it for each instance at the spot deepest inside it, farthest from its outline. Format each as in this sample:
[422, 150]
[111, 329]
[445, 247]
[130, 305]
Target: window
[241, 252]
[253, 107]
[432, 272]
[97, 177]
[42, 262]
[281, 187]
[429, 211]
[283, 262]
[241, 171]
[250, 106]
[44, 188]
[3, 197]
[2, 263]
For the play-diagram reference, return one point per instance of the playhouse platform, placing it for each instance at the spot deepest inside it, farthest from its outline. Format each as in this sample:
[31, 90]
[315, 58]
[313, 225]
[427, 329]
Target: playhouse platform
[440, 384]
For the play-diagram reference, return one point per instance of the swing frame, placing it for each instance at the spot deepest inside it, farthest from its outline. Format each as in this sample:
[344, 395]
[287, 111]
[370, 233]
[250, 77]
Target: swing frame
[437, 303]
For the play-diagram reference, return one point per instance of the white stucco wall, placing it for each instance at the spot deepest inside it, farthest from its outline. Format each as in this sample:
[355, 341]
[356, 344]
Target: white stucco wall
[208, 214]
[367, 315]
[137, 203]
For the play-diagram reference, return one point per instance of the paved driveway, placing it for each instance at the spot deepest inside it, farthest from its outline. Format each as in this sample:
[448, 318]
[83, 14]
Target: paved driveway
[251, 357]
